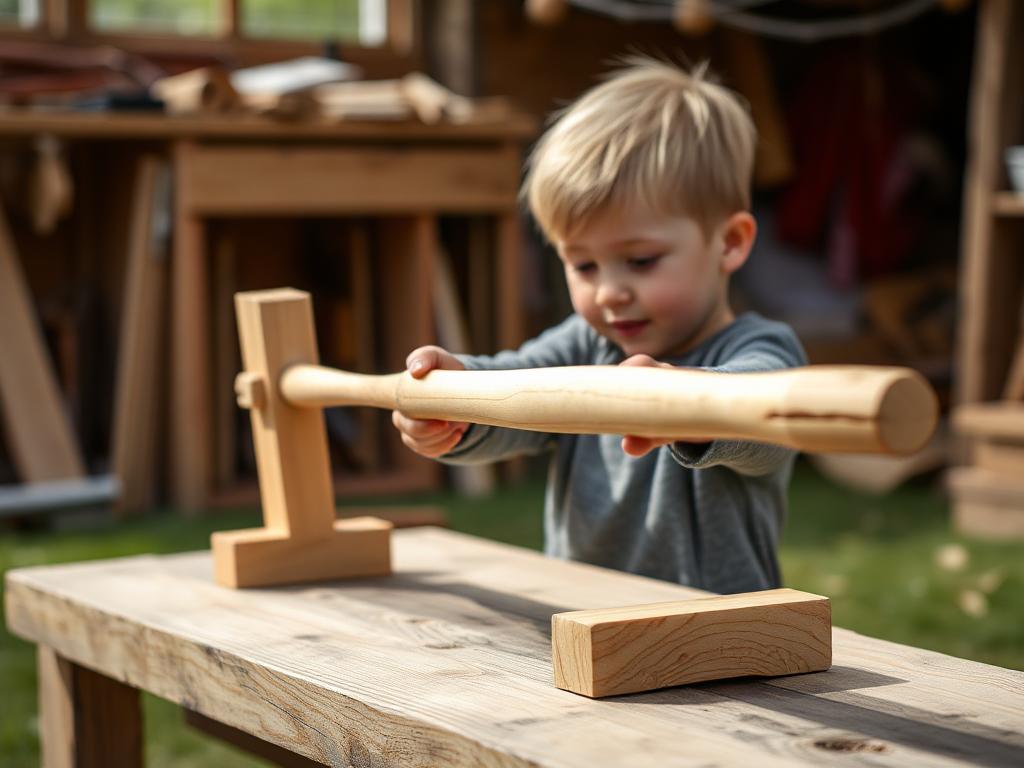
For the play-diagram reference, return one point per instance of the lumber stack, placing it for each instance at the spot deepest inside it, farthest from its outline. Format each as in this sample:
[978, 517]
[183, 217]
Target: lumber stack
[988, 494]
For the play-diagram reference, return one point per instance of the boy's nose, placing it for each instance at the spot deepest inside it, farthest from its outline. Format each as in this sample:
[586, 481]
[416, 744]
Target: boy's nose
[612, 293]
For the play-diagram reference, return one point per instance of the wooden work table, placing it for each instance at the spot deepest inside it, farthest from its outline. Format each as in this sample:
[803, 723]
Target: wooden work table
[448, 662]
[403, 175]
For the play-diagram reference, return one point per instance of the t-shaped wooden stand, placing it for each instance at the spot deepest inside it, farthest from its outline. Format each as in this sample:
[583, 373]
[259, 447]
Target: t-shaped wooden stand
[301, 540]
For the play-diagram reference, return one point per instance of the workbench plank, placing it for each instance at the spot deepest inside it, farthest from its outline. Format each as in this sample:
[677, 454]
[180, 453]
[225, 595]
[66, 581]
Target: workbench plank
[284, 180]
[106, 125]
[449, 662]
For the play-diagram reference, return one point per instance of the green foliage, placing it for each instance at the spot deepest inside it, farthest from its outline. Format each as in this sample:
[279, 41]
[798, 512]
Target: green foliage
[890, 565]
[280, 19]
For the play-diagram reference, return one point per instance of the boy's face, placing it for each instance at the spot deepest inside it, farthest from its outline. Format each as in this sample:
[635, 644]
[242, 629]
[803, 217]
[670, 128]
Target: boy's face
[652, 283]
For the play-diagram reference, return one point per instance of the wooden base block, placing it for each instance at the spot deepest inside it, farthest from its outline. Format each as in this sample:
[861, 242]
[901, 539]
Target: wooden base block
[605, 652]
[263, 557]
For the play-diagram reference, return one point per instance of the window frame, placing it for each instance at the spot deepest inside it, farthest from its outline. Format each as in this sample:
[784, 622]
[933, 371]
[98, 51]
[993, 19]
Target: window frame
[68, 21]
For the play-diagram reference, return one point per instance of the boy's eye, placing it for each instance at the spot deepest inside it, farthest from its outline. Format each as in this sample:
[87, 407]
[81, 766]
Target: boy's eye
[584, 267]
[643, 262]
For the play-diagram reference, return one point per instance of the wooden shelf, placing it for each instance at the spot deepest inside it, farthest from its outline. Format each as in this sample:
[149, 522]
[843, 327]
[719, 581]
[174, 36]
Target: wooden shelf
[1008, 204]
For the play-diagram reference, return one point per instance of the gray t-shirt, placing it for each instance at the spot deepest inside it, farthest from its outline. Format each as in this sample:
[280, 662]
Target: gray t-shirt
[704, 515]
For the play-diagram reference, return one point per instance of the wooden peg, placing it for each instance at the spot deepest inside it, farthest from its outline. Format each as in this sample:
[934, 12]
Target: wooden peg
[250, 390]
[300, 540]
[612, 651]
[547, 13]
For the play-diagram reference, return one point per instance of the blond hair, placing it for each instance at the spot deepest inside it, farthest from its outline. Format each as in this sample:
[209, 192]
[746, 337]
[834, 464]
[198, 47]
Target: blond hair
[652, 135]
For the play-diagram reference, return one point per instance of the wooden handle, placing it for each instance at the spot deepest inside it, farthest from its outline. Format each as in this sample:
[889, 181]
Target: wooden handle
[819, 408]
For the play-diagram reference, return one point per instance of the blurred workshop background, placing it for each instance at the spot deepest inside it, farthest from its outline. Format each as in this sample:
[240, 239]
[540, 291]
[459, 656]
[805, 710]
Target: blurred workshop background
[156, 156]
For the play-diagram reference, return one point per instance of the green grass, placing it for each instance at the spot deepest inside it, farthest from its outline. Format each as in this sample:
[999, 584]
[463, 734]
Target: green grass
[878, 558]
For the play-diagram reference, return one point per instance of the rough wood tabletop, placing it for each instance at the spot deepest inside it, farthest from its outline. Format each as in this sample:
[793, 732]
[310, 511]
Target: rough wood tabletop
[448, 662]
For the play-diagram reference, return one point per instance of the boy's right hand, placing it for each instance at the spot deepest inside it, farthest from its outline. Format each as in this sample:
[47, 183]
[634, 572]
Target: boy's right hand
[430, 437]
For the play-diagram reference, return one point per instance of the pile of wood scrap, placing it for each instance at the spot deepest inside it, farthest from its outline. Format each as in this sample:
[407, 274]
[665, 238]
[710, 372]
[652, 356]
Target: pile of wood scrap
[313, 88]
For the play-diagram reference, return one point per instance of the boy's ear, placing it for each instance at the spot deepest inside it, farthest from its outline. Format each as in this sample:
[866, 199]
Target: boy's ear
[737, 235]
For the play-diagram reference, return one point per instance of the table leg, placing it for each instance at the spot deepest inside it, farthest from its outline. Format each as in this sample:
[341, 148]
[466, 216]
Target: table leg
[86, 719]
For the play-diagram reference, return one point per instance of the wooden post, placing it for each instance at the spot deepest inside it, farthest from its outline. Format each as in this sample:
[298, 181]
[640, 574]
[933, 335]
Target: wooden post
[140, 359]
[301, 540]
[191, 424]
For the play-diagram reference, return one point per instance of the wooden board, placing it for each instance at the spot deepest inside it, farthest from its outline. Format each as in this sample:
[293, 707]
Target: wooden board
[140, 350]
[627, 649]
[448, 663]
[1004, 458]
[41, 440]
[283, 180]
[25, 122]
[1000, 420]
[987, 504]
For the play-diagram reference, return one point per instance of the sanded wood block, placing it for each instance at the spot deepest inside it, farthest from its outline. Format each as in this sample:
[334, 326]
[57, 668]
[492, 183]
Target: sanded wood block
[604, 652]
[262, 557]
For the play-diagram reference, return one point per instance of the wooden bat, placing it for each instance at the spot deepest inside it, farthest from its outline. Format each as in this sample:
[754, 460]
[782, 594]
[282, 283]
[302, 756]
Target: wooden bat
[858, 409]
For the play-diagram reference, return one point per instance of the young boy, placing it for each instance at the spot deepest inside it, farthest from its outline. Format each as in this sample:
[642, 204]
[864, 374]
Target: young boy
[642, 186]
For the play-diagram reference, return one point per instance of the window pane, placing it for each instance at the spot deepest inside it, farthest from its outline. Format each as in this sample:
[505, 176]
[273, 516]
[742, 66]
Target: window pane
[23, 13]
[305, 19]
[185, 17]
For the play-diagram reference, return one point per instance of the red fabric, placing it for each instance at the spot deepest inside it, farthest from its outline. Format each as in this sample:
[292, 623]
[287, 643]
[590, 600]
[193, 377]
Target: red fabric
[847, 127]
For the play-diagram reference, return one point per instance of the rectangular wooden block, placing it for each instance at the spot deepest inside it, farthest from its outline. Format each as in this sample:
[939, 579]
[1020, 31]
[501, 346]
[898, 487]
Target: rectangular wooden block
[605, 652]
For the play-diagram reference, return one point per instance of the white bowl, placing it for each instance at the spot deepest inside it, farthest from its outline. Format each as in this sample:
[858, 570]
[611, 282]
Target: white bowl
[1015, 167]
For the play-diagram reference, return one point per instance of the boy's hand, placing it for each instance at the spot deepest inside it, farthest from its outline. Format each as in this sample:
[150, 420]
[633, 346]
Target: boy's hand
[429, 437]
[634, 445]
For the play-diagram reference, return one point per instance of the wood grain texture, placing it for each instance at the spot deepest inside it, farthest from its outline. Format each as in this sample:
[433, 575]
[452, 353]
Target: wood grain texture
[447, 662]
[607, 652]
[817, 408]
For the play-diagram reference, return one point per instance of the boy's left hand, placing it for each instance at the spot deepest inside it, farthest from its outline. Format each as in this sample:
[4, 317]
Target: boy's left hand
[634, 445]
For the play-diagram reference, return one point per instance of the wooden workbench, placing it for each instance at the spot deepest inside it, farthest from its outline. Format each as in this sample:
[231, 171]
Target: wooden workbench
[448, 663]
[406, 174]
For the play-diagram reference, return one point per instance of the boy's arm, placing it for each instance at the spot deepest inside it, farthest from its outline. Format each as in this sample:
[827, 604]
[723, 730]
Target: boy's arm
[747, 458]
[569, 343]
